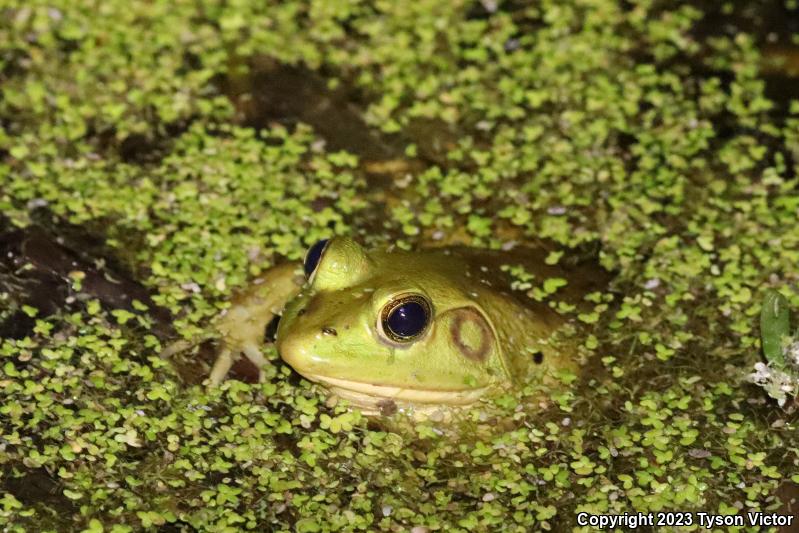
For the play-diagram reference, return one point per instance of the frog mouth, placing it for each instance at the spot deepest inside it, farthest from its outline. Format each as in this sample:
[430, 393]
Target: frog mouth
[369, 395]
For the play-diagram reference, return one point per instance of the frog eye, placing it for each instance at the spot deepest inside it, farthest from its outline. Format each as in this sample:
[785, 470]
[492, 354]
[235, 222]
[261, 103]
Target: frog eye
[405, 318]
[313, 256]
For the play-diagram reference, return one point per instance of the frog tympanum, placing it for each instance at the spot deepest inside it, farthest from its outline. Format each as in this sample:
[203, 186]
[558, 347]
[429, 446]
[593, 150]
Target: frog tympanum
[428, 327]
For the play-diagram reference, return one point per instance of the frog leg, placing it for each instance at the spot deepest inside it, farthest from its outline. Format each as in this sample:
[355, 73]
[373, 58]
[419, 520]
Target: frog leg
[176, 347]
[242, 326]
[226, 357]
[224, 360]
[253, 353]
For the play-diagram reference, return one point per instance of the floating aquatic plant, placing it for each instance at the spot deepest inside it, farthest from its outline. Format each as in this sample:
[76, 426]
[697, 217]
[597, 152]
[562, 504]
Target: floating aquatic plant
[779, 377]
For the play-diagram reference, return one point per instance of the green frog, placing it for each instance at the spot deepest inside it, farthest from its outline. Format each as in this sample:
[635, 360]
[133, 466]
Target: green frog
[391, 328]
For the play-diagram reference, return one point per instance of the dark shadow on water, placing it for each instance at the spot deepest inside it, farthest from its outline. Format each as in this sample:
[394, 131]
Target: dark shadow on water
[35, 487]
[38, 268]
[268, 92]
[772, 25]
[285, 94]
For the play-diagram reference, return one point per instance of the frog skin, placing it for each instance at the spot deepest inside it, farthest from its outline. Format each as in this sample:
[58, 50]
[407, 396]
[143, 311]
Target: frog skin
[431, 327]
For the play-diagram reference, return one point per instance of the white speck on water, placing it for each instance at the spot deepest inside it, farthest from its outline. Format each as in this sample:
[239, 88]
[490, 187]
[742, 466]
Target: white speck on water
[653, 283]
[488, 497]
[37, 202]
[386, 510]
[762, 373]
[191, 287]
[489, 5]
[556, 210]
[404, 181]
[698, 453]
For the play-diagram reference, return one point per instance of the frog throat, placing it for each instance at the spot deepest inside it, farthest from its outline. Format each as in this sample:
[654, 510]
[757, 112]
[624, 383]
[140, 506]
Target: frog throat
[368, 395]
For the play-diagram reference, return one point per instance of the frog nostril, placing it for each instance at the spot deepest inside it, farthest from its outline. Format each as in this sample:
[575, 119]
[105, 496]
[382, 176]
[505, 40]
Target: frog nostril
[327, 330]
[538, 358]
[301, 312]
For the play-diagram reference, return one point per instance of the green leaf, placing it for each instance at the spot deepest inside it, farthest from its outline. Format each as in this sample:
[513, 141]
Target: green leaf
[72, 494]
[95, 526]
[774, 326]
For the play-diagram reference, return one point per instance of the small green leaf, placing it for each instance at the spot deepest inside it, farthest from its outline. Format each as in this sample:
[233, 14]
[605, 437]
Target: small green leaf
[19, 152]
[72, 494]
[553, 284]
[95, 526]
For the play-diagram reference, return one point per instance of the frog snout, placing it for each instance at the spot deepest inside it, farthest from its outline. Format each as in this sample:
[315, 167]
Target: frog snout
[297, 349]
[304, 344]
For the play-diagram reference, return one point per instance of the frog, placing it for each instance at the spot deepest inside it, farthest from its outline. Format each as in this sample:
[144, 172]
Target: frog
[388, 328]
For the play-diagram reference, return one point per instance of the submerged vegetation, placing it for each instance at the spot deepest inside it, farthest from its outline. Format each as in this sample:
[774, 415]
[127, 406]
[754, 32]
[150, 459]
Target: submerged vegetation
[190, 145]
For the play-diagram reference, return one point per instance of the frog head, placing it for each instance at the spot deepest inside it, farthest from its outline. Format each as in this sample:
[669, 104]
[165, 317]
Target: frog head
[390, 324]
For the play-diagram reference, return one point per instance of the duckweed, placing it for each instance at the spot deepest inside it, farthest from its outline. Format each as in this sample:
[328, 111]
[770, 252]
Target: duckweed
[632, 133]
